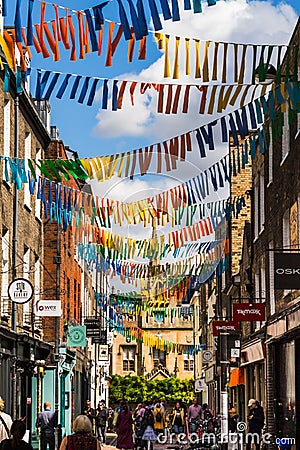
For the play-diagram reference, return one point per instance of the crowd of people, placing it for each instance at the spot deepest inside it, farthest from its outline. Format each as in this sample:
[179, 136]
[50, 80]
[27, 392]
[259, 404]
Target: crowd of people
[136, 428]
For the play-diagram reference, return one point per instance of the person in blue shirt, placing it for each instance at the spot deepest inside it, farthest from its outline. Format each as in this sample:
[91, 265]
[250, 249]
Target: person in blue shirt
[47, 421]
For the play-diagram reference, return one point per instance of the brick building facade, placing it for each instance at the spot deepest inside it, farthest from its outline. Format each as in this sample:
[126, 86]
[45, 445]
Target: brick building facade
[22, 248]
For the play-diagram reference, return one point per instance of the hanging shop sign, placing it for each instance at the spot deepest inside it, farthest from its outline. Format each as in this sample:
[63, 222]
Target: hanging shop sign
[223, 325]
[20, 290]
[103, 353]
[207, 356]
[48, 308]
[286, 270]
[245, 312]
[76, 336]
[200, 385]
[99, 338]
[93, 327]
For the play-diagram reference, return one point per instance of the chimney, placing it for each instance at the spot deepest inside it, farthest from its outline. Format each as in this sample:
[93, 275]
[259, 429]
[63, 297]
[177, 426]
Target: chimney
[43, 109]
[54, 133]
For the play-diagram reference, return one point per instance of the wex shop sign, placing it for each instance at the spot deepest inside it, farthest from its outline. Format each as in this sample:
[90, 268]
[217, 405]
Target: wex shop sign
[286, 270]
[48, 308]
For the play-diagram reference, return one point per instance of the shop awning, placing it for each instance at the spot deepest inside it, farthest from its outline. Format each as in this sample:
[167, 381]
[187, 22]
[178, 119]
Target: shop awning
[237, 377]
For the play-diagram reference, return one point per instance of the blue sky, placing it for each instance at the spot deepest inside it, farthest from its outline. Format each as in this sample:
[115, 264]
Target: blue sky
[93, 132]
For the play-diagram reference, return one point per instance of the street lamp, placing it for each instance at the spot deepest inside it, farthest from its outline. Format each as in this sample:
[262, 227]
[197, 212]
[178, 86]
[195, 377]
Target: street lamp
[265, 74]
[223, 342]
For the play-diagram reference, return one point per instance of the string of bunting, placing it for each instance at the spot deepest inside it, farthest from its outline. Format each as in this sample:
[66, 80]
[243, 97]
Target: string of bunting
[88, 35]
[170, 98]
[92, 19]
[157, 300]
[204, 253]
[172, 206]
[128, 329]
[250, 62]
[132, 162]
[135, 304]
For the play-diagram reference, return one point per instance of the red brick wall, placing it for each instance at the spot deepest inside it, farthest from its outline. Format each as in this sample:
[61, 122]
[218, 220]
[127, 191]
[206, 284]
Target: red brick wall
[70, 272]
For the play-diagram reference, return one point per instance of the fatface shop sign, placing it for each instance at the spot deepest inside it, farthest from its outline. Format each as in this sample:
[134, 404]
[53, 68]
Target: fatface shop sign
[245, 312]
[222, 325]
[286, 270]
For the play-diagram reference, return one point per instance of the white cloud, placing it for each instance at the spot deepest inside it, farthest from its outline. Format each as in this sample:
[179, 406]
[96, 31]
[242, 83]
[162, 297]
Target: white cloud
[233, 21]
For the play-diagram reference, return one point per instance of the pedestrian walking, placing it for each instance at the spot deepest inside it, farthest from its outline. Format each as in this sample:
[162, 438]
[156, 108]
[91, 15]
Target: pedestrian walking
[101, 420]
[232, 419]
[5, 422]
[89, 412]
[124, 428]
[194, 414]
[117, 412]
[16, 442]
[256, 419]
[159, 419]
[82, 438]
[110, 420]
[137, 410]
[148, 428]
[177, 420]
[47, 421]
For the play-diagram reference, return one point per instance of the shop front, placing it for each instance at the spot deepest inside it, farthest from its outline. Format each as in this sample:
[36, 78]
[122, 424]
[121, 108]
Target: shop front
[284, 383]
[8, 344]
[253, 363]
[237, 391]
[212, 388]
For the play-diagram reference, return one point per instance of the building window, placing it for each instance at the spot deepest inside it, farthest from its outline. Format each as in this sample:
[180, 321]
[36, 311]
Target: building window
[271, 279]
[129, 359]
[270, 153]
[38, 201]
[285, 133]
[286, 243]
[5, 272]
[6, 125]
[286, 229]
[262, 199]
[259, 203]
[188, 362]
[256, 207]
[159, 357]
[37, 279]
[27, 156]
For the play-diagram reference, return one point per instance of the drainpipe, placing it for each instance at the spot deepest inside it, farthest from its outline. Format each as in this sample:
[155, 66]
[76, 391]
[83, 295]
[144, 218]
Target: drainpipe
[14, 257]
[57, 335]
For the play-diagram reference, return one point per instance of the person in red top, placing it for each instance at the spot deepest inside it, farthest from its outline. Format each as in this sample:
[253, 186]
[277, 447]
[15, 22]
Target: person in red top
[124, 428]
[82, 438]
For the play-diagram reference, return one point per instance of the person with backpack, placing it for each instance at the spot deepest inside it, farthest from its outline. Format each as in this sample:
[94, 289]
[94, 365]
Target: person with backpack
[178, 417]
[147, 427]
[159, 419]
